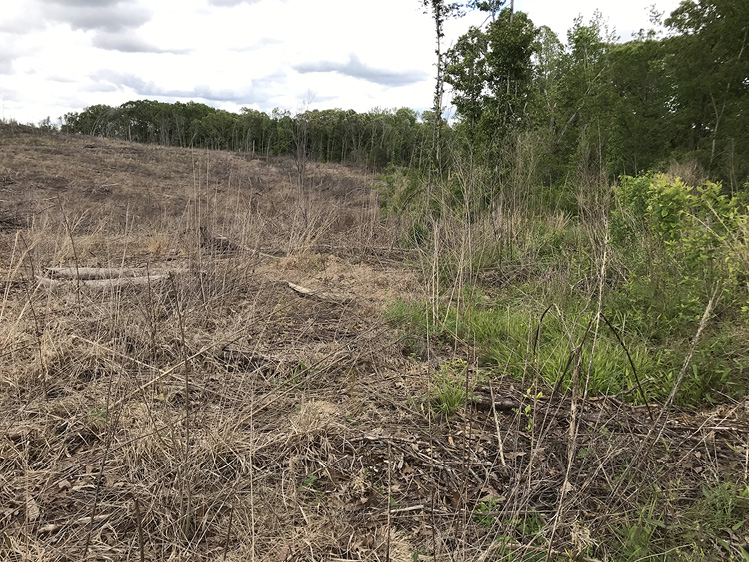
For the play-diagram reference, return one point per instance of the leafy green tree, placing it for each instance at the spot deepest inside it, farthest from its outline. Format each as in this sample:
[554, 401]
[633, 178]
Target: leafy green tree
[284, 137]
[376, 138]
[642, 127]
[548, 70]
[440, 11]
[254, 130]
[584, 98]
[96, 120]
[491, 6]
[492, 76]
[467, 73]
[512, 44]
[709, 65]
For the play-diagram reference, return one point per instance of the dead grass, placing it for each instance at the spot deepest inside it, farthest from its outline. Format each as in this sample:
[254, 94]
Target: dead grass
[217, 414]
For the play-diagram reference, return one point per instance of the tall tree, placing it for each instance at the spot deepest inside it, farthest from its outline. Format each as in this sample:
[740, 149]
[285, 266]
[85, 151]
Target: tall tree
[440, 11]
[584, 100]
[491, 73]
[467, 73]
[709, 62]
[491, 6]
[641, 131]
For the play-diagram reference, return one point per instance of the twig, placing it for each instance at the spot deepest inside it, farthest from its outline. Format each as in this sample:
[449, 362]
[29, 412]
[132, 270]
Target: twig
[75, 252]
[499, 434]
[228, 532]
[631, 364]
[390, 500]
[139, 523]
[406, 509]
[54, 527]
[187, 514]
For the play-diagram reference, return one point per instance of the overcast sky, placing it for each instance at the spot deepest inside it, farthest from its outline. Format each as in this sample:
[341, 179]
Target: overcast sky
[58, 56]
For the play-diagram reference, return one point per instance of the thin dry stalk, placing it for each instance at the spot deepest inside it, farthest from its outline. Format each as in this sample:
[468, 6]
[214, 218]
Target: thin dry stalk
[688, 359]
[139, 523]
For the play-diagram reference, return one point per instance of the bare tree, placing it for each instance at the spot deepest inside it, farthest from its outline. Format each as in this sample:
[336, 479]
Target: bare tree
[440, 12]
[300, 133]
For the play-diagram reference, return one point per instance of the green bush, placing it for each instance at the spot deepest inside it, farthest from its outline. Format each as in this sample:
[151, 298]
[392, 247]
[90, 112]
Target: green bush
[681, 238]
[679, 246]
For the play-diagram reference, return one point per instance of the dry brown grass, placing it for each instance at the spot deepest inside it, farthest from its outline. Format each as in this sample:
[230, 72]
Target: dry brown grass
[217, 414]
[208, 396]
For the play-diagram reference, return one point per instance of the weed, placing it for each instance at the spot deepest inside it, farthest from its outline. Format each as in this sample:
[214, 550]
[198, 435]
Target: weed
[484, 512]
[449, 388]
[721, 511]
[309, 482]
[527, 411]
[96, 418]
[530, 525]
[704, 525]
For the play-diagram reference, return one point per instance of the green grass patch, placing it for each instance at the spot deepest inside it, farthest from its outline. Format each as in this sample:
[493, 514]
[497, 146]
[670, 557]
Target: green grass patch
[515, 341]
[525, 343]
[710, 526]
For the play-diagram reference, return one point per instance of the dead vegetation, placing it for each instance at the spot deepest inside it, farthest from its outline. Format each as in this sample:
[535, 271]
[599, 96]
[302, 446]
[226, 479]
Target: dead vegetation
[189, 372]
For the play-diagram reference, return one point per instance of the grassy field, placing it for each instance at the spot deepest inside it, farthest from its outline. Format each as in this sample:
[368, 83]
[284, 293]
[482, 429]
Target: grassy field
[196, 363]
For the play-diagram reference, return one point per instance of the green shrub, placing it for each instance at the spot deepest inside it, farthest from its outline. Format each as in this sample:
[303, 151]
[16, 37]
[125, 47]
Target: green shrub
[679, 245]
[683, 241]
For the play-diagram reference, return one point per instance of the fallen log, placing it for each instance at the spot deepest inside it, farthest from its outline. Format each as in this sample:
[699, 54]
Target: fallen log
[486, 403]
[90, 273]
[101, 283]
[299, 289]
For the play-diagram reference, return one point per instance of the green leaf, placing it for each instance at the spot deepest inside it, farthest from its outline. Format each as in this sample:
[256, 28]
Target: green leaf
[656, 523]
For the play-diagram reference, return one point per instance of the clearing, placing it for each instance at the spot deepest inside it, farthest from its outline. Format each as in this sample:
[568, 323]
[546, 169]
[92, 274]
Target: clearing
[195, 367]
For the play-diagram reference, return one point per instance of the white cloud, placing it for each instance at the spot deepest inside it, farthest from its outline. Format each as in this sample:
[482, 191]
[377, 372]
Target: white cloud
[357, 69]
[626, 17]
[233, 53]
[106, 15]
[129, 43]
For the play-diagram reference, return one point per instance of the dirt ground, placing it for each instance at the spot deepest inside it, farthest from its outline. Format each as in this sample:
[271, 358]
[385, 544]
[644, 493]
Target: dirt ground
[230, 389]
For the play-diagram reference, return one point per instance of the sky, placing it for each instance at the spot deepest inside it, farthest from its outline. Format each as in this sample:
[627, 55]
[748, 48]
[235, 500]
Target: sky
[58, 56]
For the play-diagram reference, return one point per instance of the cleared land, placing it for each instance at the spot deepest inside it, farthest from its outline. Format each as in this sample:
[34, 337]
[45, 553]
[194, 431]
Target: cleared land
[212, 377]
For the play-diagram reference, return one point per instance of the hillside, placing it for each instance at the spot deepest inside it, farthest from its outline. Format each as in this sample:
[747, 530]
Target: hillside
[198, 363]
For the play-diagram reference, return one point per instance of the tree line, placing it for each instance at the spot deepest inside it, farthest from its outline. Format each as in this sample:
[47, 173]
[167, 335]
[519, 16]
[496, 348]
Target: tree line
[375, 138]
[526, 103]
